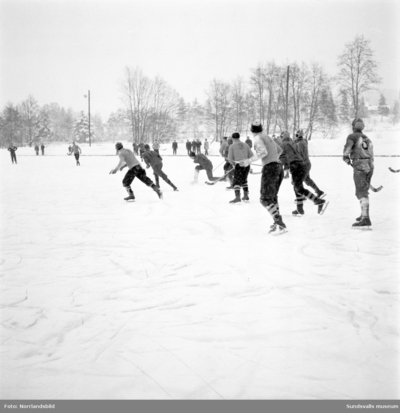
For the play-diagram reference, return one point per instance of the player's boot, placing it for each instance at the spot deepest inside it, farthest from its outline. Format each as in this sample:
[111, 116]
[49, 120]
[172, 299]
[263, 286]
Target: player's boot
[237, 197]
[280, 223]
[157, 191]
[130, 197]
[246, 196]
[322, 205]
[299, 211]
[320, 194]
[363, 222]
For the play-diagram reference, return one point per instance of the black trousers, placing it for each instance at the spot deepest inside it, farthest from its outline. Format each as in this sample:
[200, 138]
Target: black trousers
[136, 172]
[299, 174]
[271, 180]
[240, 177]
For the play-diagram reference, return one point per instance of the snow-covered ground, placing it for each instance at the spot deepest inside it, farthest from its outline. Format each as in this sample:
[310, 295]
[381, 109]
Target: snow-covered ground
[189, 297]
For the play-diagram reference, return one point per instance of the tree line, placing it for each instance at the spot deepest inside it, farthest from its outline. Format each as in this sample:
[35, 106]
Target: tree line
[281, 97]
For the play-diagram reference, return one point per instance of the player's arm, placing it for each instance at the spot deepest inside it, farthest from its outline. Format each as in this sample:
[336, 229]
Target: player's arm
[120, 166]
[347, 150]
[261, 152]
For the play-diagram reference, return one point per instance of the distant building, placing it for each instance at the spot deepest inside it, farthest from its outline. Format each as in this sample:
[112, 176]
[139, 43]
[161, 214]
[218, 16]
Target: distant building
[375, 109]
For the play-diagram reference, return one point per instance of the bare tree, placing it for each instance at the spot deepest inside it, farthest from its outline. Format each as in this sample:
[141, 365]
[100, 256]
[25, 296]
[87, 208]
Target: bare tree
[137, 96]
[257, 80]
[218, 107]
[29, 111]
[239, 100]
[316, 82]
[358, 70]
[165, 109]
[298, 80]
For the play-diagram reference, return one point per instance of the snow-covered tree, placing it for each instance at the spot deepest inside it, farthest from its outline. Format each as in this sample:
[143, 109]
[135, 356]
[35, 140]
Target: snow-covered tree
[383, 108]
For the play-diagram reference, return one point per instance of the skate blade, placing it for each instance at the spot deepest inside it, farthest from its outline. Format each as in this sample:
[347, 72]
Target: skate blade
[278, 231]
[130, 200]
[323, 196]
[366, 228]
[298, 215]
[324, 206]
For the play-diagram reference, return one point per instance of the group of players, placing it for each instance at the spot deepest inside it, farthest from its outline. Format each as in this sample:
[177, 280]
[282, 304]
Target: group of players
[276, 156]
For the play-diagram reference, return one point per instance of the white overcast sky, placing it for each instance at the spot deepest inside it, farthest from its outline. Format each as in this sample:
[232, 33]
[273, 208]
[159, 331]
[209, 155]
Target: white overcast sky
[57, 50]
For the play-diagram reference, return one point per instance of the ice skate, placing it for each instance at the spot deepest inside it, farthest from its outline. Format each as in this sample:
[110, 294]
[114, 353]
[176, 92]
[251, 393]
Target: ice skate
[363, 223]
[278, 227]
[299, 212]
[235, 201]
[158, 191]
[322, 205]
[246, 197]
[130, 198]
[321, 194]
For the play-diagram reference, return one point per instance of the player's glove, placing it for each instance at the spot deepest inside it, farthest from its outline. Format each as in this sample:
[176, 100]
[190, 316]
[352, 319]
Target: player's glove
[113, 171]
[347, 160]
[245, 162]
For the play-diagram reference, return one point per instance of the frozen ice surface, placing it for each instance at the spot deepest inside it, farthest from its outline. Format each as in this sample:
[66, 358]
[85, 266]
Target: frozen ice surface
[189, 297]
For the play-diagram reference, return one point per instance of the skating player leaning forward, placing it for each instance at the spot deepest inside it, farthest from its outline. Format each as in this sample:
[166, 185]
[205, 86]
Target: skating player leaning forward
[128, 159]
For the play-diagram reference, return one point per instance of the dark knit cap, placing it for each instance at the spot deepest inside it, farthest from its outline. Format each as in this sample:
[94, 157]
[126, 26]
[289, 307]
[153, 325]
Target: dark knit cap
[118, 146]
[256, 127]
[146, 146]
[192, 155]
[358, 124]
[236, 135]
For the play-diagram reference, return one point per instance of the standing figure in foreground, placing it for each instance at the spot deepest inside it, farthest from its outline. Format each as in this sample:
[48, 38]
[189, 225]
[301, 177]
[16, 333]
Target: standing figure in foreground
[359, 153]
[271, 173]
[154, 159]
[128, 159]
[76, 150]
[292, 159]
[302, 145]
[238, 152]
[12, 149]
[203, 164]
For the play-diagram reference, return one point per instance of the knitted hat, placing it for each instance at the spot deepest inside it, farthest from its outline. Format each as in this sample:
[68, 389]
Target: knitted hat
[146, 146]
[256, 127]
[285, 134]
[192, 155]
[236, 135]
[358, 124]
[118, 146]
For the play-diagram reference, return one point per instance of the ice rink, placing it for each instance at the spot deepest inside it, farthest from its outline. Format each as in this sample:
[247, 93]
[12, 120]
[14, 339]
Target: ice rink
[189, 297]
